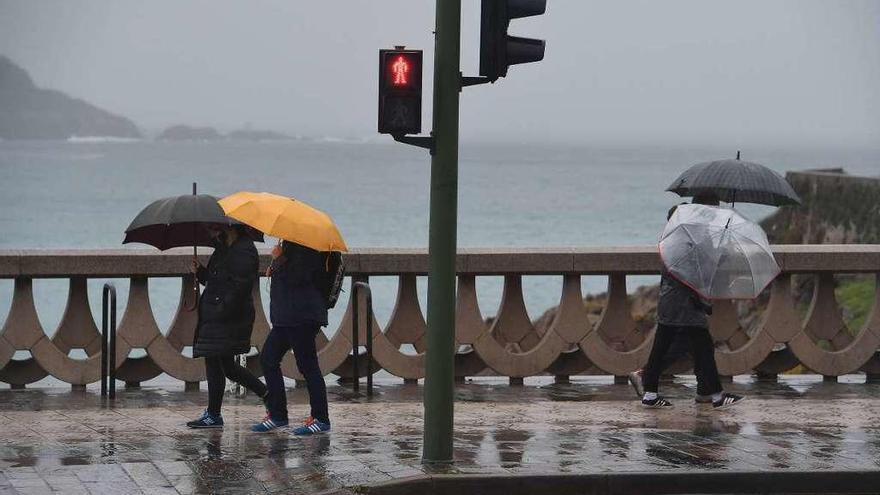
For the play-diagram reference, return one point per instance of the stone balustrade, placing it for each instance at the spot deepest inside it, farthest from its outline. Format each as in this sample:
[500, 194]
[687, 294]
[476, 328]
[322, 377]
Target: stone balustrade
[507, 345]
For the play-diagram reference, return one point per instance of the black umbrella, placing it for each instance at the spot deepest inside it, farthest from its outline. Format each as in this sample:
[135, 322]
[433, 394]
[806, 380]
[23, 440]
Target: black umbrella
[736, 181]
[181, 221]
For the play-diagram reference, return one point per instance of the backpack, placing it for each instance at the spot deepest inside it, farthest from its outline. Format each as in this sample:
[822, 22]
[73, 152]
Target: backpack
[333, 277]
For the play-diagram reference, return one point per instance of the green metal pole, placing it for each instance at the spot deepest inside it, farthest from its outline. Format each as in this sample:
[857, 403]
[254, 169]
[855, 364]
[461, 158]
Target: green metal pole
[439, 365]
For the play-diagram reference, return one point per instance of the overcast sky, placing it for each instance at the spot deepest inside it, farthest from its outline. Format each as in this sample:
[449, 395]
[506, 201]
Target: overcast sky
[721, 73]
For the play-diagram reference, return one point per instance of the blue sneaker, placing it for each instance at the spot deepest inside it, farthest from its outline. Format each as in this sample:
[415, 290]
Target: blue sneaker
[207, 420]
[312, 426]
[268, 424]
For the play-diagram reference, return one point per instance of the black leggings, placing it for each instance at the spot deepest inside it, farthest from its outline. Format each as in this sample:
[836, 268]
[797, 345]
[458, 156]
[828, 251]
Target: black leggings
[218, 369]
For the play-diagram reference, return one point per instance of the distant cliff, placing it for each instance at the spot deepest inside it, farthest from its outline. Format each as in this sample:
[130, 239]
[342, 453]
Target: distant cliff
[28, 112]
[837, 209]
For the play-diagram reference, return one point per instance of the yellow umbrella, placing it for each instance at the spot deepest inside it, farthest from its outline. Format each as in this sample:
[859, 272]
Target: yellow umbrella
[285, 218]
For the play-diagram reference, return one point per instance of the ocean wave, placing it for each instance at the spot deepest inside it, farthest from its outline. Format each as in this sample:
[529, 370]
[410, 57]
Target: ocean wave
[101, 139]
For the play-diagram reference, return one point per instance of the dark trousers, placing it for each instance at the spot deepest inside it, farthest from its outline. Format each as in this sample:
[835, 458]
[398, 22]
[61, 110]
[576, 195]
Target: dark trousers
[702, 349]
[680, 347]
[300, 339]
[218, 369]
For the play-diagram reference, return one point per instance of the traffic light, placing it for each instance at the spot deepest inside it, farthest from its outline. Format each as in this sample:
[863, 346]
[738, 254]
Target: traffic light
[400, 91]
[498, 51]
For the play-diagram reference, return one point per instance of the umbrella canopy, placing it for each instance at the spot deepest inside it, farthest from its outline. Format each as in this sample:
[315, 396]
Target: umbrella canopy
[178, 221]
[717, 252]
[285, 218]
[736, 181]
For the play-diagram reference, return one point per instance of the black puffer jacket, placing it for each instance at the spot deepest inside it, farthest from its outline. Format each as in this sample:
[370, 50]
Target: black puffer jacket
[226, 308]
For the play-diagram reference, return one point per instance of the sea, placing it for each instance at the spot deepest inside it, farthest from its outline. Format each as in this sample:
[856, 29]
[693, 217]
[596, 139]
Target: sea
[83, 193]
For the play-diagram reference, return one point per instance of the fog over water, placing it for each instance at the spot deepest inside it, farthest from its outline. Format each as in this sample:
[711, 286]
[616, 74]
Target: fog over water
[793, 72]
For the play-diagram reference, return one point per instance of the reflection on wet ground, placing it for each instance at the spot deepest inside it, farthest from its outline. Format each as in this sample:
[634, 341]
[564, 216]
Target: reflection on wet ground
[70, 442]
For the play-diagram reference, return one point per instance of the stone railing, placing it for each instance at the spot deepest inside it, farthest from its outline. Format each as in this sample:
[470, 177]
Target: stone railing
[508, 346]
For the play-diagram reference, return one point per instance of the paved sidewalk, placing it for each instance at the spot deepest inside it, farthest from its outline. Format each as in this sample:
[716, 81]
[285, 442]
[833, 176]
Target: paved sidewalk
[62, 441]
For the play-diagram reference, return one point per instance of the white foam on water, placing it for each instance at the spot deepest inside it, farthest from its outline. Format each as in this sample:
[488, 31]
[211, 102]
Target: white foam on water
[101, 139]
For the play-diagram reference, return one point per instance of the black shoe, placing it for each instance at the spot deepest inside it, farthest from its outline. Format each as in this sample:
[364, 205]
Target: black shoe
[658, 403]
[727, 400]
[207, 420]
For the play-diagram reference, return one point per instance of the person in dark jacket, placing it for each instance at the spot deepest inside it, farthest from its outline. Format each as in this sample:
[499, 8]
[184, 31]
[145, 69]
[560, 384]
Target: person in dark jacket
[682, 314]
[297, 310]
[226, 318]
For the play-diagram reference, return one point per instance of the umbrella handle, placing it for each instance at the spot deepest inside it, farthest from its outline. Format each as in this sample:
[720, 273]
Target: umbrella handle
[195, 303]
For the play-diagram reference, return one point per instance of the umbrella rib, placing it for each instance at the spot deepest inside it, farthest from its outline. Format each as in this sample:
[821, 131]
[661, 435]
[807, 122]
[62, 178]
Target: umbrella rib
[749, 261]
[697, 260]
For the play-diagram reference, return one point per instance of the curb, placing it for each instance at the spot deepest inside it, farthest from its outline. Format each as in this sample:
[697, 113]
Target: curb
[644, 483]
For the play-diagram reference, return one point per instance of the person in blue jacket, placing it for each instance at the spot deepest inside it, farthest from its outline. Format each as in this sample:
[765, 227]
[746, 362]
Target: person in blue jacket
[297, 310]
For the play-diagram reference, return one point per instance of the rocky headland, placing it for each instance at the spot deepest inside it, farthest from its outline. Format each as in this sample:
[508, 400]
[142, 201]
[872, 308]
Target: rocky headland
[30, 112]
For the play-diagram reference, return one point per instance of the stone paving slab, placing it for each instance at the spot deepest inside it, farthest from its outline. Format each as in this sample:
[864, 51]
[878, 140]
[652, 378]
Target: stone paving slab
[72, 442]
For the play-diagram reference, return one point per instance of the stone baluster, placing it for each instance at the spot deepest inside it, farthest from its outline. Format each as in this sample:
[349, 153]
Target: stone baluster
[469, 325]
[76, 330]
[512, 346]
[136, 329]
[844, 353]
[616, 345]
[20, 332]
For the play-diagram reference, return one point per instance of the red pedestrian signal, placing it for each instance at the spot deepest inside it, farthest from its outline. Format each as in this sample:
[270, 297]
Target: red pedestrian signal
[400, 92]
[400, 68]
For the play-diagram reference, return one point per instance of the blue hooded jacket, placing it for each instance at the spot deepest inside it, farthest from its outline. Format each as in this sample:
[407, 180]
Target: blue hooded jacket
[296, 296]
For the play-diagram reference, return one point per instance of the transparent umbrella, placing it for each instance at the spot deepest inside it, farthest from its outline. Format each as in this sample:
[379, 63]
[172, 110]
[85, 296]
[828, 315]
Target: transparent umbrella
[717, 252]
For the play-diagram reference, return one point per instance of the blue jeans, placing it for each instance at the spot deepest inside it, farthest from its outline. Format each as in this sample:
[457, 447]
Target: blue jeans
[300, 339]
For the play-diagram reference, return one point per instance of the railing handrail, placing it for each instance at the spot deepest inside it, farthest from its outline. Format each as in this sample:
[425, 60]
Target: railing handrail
[637, 260]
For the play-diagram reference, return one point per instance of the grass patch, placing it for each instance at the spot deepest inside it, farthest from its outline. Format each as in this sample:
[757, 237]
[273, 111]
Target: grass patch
[856, 298]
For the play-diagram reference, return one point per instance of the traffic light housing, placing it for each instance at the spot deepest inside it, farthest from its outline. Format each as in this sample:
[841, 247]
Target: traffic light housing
[400, 91]
[498, 51]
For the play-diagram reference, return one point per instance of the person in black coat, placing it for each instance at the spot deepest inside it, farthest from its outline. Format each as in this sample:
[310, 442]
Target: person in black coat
[297, 310]
[226, 318]
[683, 315]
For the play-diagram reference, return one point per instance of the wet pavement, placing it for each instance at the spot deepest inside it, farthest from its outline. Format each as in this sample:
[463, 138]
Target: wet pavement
[70, 442]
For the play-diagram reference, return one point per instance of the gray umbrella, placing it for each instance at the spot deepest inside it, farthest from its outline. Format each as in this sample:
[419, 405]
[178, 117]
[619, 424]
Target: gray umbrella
[180, 221]
[736, 181]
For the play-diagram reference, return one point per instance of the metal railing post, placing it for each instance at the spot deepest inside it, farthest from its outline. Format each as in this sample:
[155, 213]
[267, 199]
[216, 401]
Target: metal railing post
[108, 341]
[355, 345]
[356, 290]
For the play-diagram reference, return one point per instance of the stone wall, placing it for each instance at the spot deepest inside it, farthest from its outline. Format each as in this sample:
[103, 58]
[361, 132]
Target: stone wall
[573, 342]
[837, 209]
